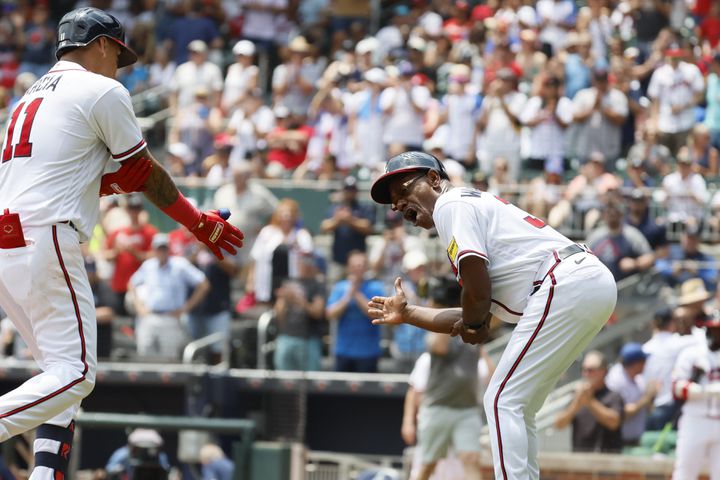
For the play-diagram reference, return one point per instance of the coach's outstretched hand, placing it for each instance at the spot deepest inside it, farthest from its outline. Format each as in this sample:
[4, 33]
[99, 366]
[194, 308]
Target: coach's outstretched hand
[215, 232]
[388, 310]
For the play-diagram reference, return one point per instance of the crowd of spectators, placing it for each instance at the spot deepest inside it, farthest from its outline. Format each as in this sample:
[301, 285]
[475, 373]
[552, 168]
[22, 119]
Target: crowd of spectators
[600, 116]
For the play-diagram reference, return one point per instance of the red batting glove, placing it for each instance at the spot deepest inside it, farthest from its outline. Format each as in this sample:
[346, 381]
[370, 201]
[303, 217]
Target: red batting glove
[217, 234]
[209, 227]
[131, 177]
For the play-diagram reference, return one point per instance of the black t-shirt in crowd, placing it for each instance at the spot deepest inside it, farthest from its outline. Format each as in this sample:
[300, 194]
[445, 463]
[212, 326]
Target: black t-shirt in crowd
[588, 435]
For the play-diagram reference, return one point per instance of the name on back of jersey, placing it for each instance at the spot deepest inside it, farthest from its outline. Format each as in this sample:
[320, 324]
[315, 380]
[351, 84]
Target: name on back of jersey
[46, 82]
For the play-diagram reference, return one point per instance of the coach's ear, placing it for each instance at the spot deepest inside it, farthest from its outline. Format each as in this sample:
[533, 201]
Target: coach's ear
[434, 179]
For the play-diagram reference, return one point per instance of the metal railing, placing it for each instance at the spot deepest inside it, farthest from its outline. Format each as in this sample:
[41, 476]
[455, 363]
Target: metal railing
[192, 349]
[264, 346]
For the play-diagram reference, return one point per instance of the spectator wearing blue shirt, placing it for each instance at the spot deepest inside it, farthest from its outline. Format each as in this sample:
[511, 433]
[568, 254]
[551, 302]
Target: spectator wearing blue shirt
[638, 216]
[357, 343]
[349, 222]
[165, 289]
[192, 26]
[686, 261]
[215, 465]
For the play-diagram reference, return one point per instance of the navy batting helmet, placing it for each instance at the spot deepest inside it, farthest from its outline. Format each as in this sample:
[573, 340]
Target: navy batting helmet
[403, 163]
[84, 25]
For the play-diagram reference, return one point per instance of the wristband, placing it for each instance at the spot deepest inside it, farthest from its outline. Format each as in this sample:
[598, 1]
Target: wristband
[183, 212]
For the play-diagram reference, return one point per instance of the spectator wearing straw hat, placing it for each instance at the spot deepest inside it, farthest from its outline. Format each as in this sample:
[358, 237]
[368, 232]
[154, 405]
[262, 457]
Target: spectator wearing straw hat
[692, 308]
[293, 81]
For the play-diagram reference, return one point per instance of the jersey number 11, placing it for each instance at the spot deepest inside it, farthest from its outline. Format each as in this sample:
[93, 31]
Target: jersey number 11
[23, 148]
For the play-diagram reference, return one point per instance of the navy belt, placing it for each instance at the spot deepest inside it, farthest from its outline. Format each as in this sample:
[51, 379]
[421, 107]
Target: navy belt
[570, 250]
[72, 225]
[561, 255]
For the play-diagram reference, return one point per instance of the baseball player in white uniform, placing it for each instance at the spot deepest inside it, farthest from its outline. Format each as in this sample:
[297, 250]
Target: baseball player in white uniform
[510, 265]
[72, 137]
[696, 381]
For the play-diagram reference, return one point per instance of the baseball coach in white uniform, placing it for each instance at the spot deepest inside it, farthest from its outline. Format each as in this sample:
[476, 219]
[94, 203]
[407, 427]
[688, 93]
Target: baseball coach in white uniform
[511, 265]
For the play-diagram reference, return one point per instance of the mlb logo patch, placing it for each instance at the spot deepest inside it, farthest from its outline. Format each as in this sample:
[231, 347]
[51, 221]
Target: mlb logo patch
[452, 250]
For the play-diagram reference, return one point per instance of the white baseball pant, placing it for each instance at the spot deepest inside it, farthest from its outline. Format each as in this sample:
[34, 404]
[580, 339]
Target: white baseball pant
[574, 301]
[45, 291]
[698, 442]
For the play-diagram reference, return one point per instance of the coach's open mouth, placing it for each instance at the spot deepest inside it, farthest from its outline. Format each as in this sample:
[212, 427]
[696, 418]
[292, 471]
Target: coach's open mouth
[410, 215]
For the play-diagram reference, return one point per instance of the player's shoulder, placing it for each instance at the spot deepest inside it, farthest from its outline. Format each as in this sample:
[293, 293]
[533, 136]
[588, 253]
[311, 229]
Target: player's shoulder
[461, 195]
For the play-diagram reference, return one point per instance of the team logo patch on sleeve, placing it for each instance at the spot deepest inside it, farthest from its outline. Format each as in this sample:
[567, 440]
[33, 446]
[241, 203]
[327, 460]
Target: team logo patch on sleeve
[452, 250]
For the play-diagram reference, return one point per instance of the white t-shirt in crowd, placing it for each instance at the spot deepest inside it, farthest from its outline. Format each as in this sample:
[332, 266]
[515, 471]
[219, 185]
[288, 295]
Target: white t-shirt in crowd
[670, 87]
[686, 197]
[461, 109]
[547, 139]
[236, 83]
[246, 129]
[554, 12]
[190, 76]
[269, 238]
[403, 124]
[260, 24]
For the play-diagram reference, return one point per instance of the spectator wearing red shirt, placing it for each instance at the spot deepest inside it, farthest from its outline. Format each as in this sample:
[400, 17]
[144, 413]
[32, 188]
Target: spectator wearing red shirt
[128, 247]
[710, 26]
[458, 26]
[287, 142]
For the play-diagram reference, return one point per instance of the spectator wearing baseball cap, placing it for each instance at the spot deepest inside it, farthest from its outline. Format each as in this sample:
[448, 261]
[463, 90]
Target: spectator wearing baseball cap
[626, 379]
[349, 222]
[194, 74]
[241, 78]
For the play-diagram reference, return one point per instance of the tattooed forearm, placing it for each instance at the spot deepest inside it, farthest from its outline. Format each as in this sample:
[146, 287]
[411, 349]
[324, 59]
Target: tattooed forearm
[160, 189]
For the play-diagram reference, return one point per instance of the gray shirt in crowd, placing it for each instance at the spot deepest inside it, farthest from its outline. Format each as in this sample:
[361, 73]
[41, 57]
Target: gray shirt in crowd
[453, 378]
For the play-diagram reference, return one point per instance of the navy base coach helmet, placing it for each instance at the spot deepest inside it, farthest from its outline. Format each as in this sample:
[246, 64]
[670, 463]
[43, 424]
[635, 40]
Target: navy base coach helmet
[400, 164]
[84, 25]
